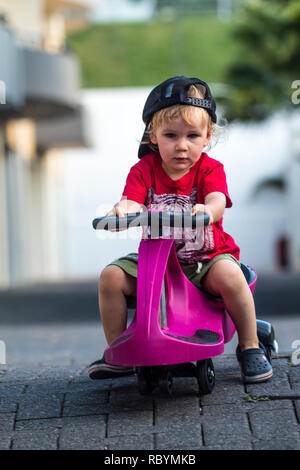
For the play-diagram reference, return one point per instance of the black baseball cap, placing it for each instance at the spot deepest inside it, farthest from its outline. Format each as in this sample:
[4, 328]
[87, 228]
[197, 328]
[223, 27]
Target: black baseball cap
[175, 91]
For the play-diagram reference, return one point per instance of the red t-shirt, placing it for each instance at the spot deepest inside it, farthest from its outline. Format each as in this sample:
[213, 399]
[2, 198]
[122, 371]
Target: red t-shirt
[148, 184]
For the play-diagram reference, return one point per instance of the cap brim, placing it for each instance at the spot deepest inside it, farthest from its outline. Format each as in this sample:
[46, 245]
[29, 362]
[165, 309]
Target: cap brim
[144, 149]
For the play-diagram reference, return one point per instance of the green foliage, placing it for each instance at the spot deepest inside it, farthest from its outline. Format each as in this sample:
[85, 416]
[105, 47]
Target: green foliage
[268, 34]
[255, 398]
[142, 54]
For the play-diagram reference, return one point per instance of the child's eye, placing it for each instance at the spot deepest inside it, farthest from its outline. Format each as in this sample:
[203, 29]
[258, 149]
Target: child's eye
[193, 136]
[170, 135]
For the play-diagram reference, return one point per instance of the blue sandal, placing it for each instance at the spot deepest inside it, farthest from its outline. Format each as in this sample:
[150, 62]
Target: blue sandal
[255, 364]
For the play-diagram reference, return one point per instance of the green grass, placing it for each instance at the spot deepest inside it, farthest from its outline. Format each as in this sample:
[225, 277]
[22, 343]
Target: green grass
[142, 54]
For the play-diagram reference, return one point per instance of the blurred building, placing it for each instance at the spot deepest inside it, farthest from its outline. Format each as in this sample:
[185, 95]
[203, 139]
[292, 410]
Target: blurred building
[293, 189]
[39, 114]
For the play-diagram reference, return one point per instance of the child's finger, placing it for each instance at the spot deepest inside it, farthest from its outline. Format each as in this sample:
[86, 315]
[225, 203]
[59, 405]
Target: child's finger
[197, 208]
[120, 212]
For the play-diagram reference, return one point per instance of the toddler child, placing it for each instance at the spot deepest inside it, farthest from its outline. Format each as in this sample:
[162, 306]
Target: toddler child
[175, 174]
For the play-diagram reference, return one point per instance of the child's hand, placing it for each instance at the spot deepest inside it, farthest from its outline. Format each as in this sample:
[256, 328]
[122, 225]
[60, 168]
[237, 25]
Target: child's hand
[123, 207]
[200, 208]
[117, 210]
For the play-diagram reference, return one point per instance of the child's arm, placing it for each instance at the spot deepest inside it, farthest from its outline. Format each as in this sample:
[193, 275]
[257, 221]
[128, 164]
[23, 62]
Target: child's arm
[214, 206]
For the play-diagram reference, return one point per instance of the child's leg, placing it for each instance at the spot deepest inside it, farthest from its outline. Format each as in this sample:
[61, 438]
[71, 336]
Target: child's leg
[114, 286]
[227, 280]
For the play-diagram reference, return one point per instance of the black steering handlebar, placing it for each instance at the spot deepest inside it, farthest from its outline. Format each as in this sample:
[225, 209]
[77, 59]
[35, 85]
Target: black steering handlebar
[144, 219]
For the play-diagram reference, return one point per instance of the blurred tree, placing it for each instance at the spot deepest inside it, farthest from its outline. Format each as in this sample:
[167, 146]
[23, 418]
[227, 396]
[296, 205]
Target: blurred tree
[262, 73]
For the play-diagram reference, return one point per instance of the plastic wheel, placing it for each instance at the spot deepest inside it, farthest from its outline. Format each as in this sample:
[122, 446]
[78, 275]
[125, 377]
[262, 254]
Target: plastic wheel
[205, 376]
[146, 385]
[266, 336]
[166, 384]
[269, 353]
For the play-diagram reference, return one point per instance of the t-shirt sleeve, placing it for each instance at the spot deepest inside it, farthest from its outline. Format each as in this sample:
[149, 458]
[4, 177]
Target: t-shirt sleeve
[215, 180]
[135, 188]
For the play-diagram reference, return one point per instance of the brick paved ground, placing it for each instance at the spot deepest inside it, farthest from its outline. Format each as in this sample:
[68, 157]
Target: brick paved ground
[59, 407]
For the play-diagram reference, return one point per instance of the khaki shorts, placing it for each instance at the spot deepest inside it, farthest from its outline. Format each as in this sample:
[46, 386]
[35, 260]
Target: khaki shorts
[193, 272]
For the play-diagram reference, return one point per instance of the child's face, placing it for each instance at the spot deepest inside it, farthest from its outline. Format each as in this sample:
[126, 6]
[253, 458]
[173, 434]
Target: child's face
[180, 145]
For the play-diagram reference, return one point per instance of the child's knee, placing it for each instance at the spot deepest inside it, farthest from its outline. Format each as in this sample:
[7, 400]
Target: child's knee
[114, 280]
[224, 276]
[110, 278]
[232, 278]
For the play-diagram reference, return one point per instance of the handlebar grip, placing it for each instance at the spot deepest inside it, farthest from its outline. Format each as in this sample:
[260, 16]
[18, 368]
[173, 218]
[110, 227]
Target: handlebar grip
[113, 221]
[168, 219]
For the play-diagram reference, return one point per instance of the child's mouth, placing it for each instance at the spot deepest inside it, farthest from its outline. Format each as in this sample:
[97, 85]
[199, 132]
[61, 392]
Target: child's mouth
[181, 160]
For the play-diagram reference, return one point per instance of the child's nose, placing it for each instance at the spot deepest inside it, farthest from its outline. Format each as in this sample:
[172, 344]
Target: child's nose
[181, 144]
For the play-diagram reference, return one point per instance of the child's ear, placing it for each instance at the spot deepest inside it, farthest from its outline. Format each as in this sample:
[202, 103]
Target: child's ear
[208, 137]
[153, 139]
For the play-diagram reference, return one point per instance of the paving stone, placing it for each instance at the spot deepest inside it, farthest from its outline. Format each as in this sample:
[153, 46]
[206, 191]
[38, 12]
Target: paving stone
[130, 422]
[42, 424]
[5, 440]
[277, 385]
[278, 443]
[226, 364]
[179, 437]
[86, 397]
[129, 442]
[42, 389]
[83, 433]
[244, 445]
[129, 399]
[75, 440]
[85, 410]
[20, 374]
[185, 386]
[7, 422]
[176, 411]
[122, 383]
[225, 428]
[246, 406]
[35, 440]
[88, 385]
[294, 376]
[43, 406]
[82, 376]
[297, 409]
[9, 396]
[281, 424]
[85, 400]
[281, 364]
[57, 373]
[228, 389]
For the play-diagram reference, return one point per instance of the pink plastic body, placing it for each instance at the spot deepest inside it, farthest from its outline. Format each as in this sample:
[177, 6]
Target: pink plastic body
[145, 342]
